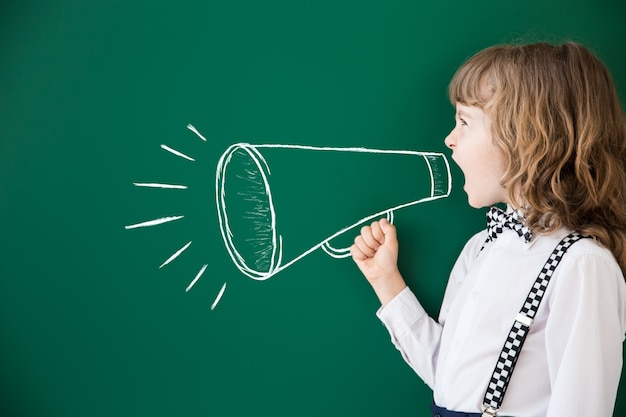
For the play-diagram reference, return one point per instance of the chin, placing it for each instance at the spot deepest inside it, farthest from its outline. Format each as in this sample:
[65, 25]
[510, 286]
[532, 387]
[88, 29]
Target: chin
[477, 203]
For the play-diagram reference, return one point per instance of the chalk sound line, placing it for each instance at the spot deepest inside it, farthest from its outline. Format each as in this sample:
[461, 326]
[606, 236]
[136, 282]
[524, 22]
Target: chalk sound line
[177, 153]
[200, 273]
[219, 297]
[175, 255]
[160, 185]
[194, 130]
[154, 222]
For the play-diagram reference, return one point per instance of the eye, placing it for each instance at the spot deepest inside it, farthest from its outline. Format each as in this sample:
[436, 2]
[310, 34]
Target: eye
[462, 121]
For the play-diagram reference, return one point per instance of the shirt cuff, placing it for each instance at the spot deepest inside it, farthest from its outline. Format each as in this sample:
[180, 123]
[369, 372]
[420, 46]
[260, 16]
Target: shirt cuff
[401, 313]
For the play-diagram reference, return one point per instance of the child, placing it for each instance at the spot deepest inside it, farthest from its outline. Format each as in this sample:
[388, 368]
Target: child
[540, 129]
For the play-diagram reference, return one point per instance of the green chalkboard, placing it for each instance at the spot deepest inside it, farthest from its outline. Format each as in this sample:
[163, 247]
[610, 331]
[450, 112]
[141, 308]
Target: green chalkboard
[203, 296]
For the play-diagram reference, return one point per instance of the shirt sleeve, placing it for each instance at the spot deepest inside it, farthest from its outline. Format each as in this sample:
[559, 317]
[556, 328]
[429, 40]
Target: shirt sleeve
[584, 336]
[415, 334]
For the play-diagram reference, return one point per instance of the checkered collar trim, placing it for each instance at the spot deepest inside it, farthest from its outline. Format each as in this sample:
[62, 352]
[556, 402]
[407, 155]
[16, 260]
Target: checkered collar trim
[498, 220]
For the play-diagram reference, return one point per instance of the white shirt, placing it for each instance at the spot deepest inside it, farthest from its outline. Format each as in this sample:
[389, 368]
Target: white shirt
[571, 362]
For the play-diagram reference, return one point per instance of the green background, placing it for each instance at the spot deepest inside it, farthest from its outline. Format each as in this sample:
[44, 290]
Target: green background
[90, 90]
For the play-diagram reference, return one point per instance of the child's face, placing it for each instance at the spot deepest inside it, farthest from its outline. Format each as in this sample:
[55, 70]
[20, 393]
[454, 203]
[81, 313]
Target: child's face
[483, 164]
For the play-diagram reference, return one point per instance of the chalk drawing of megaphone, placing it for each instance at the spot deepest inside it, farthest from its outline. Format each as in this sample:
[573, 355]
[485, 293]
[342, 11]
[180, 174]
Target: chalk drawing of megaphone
[278, 203]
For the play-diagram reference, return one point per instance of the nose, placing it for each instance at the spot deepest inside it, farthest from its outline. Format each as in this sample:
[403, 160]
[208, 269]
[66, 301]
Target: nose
[450, 140]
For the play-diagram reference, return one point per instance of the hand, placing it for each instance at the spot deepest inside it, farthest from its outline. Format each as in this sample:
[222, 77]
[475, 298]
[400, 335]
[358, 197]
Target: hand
[375, 252]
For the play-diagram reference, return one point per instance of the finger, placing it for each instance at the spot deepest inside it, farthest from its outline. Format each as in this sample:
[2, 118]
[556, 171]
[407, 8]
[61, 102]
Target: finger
[357, 254]
[363, 247]
[377, 233]
[391, 238]
[367, 234]
[388, 229]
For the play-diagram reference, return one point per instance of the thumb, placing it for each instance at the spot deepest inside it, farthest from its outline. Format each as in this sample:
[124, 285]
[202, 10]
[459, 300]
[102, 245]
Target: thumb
[388, 229]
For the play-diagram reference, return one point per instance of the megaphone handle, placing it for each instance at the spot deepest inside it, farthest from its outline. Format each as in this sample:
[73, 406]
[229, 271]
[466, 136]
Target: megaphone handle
[339, 253]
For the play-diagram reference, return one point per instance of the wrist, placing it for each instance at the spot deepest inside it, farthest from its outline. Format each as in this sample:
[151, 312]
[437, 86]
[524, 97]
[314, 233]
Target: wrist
[388, 286]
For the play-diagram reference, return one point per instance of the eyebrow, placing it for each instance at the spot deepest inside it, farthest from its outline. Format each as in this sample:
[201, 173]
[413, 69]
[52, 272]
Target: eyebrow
[463, 113]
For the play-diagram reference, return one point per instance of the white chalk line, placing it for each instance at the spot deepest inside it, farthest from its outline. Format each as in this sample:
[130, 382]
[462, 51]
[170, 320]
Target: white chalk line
[160, 185]
[219, 297]
[227, 234]
[194, 130]
[339, 253]
[177, 153]
[175, 255]
[153, 222]
[349, 149]
[197, 277]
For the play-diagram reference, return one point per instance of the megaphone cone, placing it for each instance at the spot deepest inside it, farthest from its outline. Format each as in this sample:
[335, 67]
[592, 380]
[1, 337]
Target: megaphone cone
[278, 203]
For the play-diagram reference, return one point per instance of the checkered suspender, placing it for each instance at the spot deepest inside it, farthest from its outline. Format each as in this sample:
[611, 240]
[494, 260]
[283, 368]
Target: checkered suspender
[514, 342]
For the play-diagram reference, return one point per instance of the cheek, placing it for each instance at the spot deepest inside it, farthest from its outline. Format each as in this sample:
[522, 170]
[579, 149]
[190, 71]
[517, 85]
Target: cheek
[469, 158]
[479, 165]
[498, 162]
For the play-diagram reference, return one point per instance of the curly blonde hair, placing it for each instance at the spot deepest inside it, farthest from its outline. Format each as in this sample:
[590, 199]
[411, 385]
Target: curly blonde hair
[557, 117]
